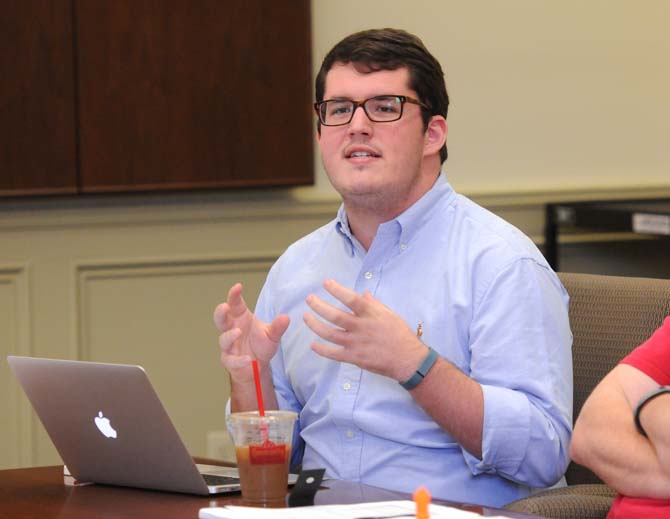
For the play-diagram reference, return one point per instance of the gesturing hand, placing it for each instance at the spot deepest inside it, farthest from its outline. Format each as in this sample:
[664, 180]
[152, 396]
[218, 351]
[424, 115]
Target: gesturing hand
[245, 337]
[371, 336]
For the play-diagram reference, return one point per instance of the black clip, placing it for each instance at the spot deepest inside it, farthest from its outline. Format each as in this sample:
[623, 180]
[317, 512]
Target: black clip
[305, 488]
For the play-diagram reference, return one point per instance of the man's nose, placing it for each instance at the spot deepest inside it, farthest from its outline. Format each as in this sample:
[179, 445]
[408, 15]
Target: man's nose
[360, 122]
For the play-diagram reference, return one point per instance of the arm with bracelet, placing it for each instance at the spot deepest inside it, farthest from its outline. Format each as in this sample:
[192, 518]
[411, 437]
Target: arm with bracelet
[606, 439]
[652, 419]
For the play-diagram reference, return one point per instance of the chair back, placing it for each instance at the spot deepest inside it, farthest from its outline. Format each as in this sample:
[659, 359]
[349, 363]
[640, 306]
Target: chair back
[609, 317]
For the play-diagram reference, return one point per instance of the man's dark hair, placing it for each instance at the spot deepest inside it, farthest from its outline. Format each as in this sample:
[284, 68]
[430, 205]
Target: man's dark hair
[391, 49]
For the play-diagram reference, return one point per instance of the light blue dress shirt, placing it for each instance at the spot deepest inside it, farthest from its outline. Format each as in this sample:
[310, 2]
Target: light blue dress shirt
[488, 303]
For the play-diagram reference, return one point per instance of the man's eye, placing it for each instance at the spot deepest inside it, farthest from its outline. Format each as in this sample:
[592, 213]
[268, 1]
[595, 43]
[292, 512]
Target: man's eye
[339, 109]
[386, 108]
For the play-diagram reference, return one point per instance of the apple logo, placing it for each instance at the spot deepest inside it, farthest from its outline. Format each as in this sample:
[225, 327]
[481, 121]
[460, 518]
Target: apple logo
[104, 426]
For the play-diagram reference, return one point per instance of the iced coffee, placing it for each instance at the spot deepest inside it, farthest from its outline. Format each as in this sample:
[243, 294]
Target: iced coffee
[263, 451]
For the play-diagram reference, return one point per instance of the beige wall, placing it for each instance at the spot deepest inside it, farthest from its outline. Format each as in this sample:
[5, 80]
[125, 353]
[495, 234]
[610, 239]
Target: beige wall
[550, 100]
[545, 95]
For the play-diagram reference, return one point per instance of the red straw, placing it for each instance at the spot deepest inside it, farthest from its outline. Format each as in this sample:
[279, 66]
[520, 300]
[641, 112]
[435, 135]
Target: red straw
[259, 397]
[259, 393]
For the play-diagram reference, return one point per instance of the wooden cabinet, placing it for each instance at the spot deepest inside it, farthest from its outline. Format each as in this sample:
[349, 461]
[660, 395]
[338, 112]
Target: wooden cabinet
[158, 95]
[37, 115]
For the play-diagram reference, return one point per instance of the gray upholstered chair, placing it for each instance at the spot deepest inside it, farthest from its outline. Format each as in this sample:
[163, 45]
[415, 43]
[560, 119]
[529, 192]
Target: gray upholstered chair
[609, 317]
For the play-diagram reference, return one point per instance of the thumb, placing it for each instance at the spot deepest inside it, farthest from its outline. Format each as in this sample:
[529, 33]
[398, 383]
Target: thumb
[277, 327]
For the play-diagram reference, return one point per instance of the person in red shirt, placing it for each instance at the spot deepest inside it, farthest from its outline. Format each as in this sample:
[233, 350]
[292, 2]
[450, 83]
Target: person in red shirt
[623, 430]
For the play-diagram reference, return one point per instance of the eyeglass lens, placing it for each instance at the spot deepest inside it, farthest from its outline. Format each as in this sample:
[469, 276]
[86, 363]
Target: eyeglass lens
[378, 109]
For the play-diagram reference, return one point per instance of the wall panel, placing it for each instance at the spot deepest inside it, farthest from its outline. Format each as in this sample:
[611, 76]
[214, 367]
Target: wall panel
[158, 314]
[16, 434]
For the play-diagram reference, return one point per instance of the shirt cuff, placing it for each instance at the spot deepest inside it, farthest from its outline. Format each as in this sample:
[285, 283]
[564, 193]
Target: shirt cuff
[506, 432]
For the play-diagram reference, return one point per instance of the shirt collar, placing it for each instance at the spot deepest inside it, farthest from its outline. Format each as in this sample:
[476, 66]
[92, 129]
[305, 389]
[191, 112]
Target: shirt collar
[418, 214]
[342, 226]
[412, 219]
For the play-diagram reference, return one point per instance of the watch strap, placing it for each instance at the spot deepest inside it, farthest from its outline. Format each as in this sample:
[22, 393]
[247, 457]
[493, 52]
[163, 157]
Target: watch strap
[644, 401]
[422, 371]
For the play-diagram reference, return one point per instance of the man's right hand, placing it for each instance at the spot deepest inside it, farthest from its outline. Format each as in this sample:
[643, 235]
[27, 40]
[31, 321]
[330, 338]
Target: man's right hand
[245, 337]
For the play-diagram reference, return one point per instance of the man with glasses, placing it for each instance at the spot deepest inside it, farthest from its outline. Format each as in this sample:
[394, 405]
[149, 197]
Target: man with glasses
[421, 339]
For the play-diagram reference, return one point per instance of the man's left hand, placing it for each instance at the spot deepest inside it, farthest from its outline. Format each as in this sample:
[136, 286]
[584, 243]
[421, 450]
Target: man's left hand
[371, 336]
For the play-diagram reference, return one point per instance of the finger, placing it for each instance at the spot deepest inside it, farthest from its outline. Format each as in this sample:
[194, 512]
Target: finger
[233, 362]
[329, 352]
[345, 296]
[228, 338]
[277, 327]
[220, 314]
[330, 313]
[235, 301]
[325, 331]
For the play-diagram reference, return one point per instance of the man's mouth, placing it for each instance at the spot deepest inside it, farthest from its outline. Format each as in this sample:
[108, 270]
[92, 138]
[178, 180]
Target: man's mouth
[361, 154]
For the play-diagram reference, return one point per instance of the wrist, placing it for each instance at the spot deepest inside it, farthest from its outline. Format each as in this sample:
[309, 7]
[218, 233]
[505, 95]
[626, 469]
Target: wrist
[643, 402]
[411, 360]
[426, 364]
[244, 378]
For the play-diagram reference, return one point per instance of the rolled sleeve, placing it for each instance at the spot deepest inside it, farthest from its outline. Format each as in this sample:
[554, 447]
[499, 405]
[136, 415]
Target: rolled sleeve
[506, 432]
[521, 355]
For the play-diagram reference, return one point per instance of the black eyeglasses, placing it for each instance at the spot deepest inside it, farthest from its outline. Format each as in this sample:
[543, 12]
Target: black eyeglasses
[379, 109]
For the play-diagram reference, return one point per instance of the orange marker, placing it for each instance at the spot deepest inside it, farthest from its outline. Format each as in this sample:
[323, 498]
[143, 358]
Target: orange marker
[422, 500]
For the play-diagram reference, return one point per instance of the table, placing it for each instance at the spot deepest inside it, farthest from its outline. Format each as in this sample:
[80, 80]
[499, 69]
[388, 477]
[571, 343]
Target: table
[39, 493]
[648, 216]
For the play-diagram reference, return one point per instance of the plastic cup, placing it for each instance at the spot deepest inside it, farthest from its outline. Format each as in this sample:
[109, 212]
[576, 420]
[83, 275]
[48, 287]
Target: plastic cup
[263, 452]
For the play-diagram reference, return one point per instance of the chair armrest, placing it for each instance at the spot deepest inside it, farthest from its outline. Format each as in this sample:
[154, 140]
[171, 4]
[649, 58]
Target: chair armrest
[591, 501]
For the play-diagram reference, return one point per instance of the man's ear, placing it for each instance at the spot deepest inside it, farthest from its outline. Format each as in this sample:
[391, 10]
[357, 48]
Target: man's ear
[435, 135]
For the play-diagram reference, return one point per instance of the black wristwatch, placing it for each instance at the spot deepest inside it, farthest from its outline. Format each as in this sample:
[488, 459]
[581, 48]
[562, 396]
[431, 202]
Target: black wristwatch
[644, 401]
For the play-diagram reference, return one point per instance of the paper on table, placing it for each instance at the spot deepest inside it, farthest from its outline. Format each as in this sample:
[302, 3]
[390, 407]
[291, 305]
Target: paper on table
[380, 510]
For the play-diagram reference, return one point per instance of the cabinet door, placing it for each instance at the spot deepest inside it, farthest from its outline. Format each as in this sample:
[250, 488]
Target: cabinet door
[181, 94]
[37, 118]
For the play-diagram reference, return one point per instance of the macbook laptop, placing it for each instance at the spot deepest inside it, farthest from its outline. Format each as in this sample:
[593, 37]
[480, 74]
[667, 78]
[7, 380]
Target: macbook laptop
[109, 426]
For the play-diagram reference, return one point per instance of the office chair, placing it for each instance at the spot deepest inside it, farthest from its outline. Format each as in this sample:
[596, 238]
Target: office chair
[609, 317]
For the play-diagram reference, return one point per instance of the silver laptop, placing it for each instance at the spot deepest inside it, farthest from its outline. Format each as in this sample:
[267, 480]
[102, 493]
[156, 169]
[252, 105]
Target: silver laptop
[109, 426]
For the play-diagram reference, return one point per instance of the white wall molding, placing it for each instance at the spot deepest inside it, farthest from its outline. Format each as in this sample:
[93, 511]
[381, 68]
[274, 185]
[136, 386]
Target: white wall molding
[276, 205]
[14, 278]
[159, 209]
[535, 197]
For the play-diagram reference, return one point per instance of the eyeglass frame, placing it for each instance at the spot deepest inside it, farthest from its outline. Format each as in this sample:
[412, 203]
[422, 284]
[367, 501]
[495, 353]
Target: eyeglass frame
[403, 99]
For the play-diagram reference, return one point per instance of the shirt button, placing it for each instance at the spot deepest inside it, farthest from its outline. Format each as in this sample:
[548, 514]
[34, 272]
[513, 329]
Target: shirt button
[350, 434]
[368, 275]
[346, 386]
[403, 246]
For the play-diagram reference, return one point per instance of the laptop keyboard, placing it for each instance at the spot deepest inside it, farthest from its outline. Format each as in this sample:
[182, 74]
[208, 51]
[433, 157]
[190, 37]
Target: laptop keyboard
[212, 479]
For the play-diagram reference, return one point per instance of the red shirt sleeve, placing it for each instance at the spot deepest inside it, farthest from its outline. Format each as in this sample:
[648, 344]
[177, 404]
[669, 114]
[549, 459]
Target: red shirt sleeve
[652, 357]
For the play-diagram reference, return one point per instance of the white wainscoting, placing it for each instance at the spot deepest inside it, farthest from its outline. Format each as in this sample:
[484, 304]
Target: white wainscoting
[17, 436]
